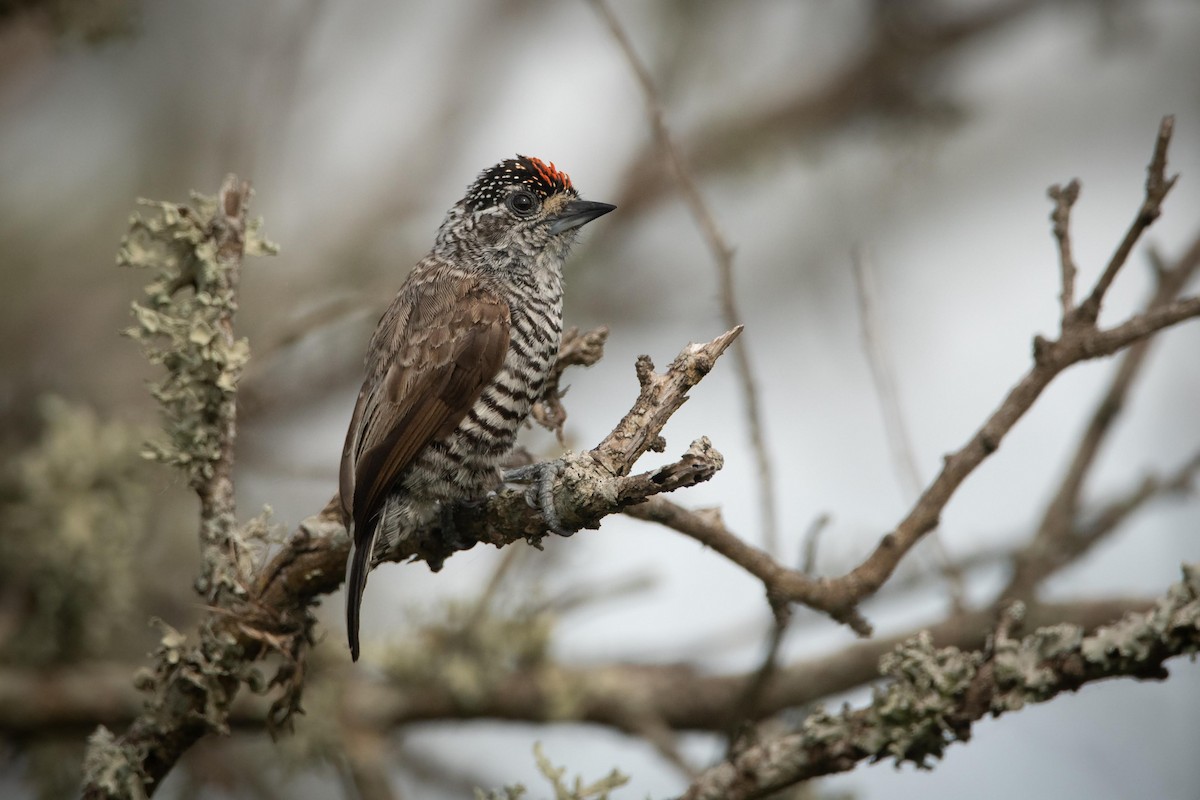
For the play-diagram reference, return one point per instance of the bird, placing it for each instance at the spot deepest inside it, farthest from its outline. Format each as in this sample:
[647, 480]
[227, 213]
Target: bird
[457, 361]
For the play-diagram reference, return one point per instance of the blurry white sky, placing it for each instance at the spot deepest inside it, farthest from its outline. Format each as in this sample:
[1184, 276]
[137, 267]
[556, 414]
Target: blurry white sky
[361, 123]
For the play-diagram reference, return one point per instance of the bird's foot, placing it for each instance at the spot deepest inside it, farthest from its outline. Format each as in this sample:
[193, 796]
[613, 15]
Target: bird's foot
[540, 492]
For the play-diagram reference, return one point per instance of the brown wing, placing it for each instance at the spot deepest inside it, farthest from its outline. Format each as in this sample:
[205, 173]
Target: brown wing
[441, 343]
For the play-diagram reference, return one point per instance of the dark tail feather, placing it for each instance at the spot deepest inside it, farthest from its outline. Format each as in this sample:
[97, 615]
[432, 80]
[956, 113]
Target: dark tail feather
[357, 567]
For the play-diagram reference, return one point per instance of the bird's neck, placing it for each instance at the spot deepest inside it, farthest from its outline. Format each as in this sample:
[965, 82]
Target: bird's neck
[525, 275]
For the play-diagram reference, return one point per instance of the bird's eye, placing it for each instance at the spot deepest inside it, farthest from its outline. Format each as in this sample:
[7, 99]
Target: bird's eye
[522, 202]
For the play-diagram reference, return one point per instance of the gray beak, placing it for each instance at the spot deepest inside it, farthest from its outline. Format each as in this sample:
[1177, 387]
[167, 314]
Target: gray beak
[577, 213]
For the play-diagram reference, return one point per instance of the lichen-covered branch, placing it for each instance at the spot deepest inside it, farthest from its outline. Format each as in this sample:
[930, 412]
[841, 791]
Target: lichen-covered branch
[936, 695]
[187, 326]
[593, 484]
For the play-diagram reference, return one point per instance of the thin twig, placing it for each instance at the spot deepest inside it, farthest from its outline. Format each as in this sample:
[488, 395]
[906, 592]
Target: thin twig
[898, 436]
[364, 763]
[747, 710]
[1060, 519]
[1064, 198]
[1158, 185]
[812, 538]
[899, 439]
[722, 254]
[488, 596]
[1050, 553]
[888, 74]
[839, 597]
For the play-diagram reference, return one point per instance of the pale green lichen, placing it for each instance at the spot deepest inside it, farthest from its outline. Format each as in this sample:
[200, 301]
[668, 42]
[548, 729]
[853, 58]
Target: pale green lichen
[577, 790]
[73, 509]
[1031, 669]
[936, 694]
[909, 718]
[185, 324]
[563, 790]
[182, 325]
[1026, 663]
[204, 670]
[1173, 621]
[108, 767]
[515, 792]
[468, 651]
[911, 714]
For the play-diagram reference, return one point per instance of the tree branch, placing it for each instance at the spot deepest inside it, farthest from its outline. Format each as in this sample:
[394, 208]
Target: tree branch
[1158, 185]
[1058, 540]
[899, 439]
[722, 254]
[1081, 340]
[37, 702]
[886, 78]
[1064, 198]
[937, 695]
[195, 683]
[186, 325]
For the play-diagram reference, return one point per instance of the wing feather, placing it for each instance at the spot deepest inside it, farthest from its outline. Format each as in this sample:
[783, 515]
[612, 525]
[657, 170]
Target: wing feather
[445, 348]
[440, 343]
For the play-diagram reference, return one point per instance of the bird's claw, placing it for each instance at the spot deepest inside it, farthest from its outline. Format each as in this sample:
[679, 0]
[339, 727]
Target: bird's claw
[540, 492]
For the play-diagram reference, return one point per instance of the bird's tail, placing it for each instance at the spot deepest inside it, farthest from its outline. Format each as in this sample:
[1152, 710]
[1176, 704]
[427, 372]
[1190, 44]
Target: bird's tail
[357, 567]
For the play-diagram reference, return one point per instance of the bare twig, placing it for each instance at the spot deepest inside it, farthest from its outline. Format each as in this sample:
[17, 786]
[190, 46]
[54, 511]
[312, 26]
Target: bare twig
[661, 396]
[723, 256]
[587, 595]
[1107, 518]
[1052, 548]
[576, 350]
[1064, 198]
[487, 597]
[882, 79]
[1060, 520]
[1080, 341]
[812, 538]
[746, 712]
[839, 597]
[899, 439]
[365, 761]
[1158, 185]
[742, 718]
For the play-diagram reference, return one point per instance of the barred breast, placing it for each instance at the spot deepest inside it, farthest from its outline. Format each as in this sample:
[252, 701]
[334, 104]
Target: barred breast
[464, 465]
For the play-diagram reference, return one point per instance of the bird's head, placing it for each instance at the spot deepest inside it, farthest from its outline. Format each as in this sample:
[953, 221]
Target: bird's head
[528, 204]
